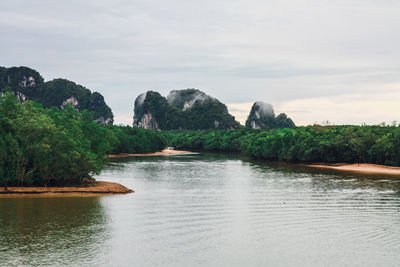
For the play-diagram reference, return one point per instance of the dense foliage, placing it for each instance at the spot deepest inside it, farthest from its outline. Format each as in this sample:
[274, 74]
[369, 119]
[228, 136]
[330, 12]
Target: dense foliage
[332, 144]
[137, 140]
[28, 84]
[49, 146]
[188, 109]
[41, 146]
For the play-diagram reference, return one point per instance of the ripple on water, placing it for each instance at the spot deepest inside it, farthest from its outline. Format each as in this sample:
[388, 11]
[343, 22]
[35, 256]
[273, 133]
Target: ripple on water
[211, 210]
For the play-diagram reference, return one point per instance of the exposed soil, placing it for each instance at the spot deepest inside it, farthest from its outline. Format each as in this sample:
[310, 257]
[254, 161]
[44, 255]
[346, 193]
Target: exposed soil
[97, 188]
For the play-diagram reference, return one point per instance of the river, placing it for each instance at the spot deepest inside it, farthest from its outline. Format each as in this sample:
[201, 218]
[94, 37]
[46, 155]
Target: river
[210, 210]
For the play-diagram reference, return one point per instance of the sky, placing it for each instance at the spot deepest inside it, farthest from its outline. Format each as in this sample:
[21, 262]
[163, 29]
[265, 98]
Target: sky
[315, 60]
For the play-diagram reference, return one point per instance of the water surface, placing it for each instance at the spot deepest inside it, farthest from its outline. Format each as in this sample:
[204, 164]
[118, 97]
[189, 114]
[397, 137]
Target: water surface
[210, 210]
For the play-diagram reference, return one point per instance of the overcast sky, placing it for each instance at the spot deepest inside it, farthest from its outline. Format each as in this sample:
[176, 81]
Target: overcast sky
[336, 60]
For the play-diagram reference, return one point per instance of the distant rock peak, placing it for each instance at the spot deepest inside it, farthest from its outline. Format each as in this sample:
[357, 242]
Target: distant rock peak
[185, 99]
[262, 116]
[181, 109]
[263, 109]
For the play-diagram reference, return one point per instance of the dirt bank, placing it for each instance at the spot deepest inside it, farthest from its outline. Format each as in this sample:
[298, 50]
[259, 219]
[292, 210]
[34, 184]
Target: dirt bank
[165, 152]
[361, 168]
[97, 188]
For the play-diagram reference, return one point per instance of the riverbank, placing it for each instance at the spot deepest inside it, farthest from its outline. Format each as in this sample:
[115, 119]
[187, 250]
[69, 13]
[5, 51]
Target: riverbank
[164, 152]
[366, 168]
[360, 168]
[97, 188]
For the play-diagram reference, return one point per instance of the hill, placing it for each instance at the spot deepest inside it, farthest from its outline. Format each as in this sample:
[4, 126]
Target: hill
[28, 84]
[262, 116]
[188, 109]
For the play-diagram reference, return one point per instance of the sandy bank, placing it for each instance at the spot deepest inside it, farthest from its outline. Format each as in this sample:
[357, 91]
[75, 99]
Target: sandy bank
[361, 168]
[98, 188]
[165, 152]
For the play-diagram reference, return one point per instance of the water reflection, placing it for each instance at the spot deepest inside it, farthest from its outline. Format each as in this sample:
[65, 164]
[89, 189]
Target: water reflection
[329, 179]
[211, 210]
[52, 231]
[226, 210]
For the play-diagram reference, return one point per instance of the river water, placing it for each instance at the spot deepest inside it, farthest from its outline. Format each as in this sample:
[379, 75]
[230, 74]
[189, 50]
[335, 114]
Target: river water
[210, 210]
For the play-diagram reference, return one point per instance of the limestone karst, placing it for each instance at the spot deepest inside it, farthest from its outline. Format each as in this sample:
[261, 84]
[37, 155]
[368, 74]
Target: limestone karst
[28, 84]
[188, 109]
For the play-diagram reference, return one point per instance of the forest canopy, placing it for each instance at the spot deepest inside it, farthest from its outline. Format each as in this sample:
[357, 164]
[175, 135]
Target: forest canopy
[331, 144]
[40, 146]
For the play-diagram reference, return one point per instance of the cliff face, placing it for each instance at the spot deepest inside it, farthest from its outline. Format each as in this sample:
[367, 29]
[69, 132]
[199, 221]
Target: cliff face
[23, 81]
[189, 109]
[152, 111]
[185, 99]
[28, 84]
[262, 116]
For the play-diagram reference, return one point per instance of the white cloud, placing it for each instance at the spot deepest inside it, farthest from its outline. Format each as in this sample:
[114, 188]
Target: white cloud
[239, 51]
[345, 109]
[372, 108]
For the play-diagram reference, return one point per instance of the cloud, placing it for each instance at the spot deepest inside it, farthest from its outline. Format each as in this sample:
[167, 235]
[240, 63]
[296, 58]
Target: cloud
[356, 109]
[345, 109]
[235, 50]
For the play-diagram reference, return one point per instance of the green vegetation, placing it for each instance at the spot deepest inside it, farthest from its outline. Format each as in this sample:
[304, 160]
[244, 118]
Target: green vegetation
[58, 92]
[137, 140]
[188, 109]
[209, 114]
[56, 140]
[49, 146]
[164, 116]
[332, 144]
[40, 146]
[28, 84]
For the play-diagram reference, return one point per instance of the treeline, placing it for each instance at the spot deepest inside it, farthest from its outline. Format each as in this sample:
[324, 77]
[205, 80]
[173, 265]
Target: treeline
[41, 146]
[331, 144]
[137, 140]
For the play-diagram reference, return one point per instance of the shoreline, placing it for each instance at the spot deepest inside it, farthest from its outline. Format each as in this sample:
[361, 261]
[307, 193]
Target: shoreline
[100, 187]
[164, 152]
[366, 168]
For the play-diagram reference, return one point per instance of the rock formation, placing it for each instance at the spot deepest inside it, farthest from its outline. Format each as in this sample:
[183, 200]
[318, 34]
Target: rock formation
[262, 116]
[28, 84]
[188, 109]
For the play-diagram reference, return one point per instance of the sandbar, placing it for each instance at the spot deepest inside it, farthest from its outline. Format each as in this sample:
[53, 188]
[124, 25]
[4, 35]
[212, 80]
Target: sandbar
[360, 168]
[97, 188]
[164, 152]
